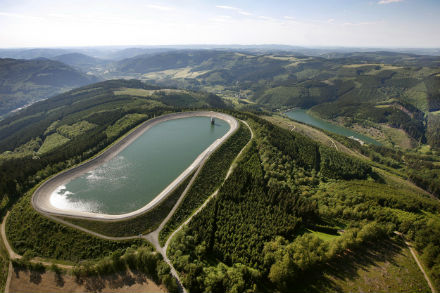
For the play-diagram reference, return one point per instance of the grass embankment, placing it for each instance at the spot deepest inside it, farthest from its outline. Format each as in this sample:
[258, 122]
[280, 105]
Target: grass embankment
[76, 129]
[142, 224]
[51, 142]
[31, 233]
[210, 178]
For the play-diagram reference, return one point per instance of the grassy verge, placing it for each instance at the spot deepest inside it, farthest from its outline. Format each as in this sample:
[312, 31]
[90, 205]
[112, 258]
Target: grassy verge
[142, 224]
[31, 233]
[210, 178]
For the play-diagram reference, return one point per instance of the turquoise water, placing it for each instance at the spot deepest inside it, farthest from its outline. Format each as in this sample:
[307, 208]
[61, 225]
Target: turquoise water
[141, 171]
[302, 116]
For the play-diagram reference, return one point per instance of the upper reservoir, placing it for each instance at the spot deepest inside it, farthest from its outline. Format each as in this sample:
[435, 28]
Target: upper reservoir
[301, 115]
[142, 170]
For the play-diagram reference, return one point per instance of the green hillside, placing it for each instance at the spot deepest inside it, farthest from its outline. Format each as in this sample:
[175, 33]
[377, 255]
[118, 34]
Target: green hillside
[70, 127]
[80, 61]
[291, 209]
[27, 81]
[384, 90]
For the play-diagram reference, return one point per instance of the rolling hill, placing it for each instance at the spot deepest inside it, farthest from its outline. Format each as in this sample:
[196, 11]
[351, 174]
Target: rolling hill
[106, 100]
[80, 61]
[26, 81]
[387, 95]
[390, 91]
[283, 211]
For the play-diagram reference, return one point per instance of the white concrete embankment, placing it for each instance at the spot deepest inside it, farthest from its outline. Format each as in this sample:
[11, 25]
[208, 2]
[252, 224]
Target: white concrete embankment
[41, 197]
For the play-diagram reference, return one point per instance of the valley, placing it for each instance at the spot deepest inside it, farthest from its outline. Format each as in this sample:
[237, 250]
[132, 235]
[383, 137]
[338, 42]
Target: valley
[220, 146]
[276, 205]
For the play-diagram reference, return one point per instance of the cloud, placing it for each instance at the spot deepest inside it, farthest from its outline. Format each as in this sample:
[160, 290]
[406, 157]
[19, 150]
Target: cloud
[362, 23]
[18, 15]
[389, 1]
[236, 9]
[160, 7]
[266, 17]
[227, 7]
[221, 18]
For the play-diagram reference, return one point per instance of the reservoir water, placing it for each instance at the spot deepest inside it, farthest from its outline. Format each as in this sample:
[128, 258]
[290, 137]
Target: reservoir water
[142, 170]
[301, 115]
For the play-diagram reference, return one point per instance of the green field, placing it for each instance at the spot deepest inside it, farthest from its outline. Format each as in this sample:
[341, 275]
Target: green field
[323, 236]
[74, 130]
[143, 92]
[51, 142]
[125, 122]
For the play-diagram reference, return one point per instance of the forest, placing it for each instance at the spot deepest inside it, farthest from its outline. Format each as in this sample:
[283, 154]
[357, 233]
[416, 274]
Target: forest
[27, 81]
[290, 206]
[379, 88]
[255, 235]
[421, 169]
[61, 132]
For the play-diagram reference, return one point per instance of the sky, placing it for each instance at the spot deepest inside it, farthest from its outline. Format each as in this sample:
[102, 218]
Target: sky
[312, 23]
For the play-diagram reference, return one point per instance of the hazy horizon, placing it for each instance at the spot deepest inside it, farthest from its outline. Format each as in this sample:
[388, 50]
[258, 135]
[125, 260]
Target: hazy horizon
[218, 46]
[319, 23]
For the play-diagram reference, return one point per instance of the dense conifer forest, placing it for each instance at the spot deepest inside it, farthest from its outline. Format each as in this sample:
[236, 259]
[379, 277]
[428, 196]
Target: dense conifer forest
[258, 232]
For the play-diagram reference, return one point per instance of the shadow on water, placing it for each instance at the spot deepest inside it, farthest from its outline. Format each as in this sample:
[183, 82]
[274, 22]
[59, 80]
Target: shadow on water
[213, 126]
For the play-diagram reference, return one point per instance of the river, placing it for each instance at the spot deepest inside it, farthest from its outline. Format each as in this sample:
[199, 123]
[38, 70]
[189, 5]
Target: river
[301, 115]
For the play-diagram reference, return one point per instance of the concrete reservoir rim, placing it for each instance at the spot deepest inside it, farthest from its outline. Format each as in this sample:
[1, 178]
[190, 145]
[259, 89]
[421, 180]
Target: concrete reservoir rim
[41, 197]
